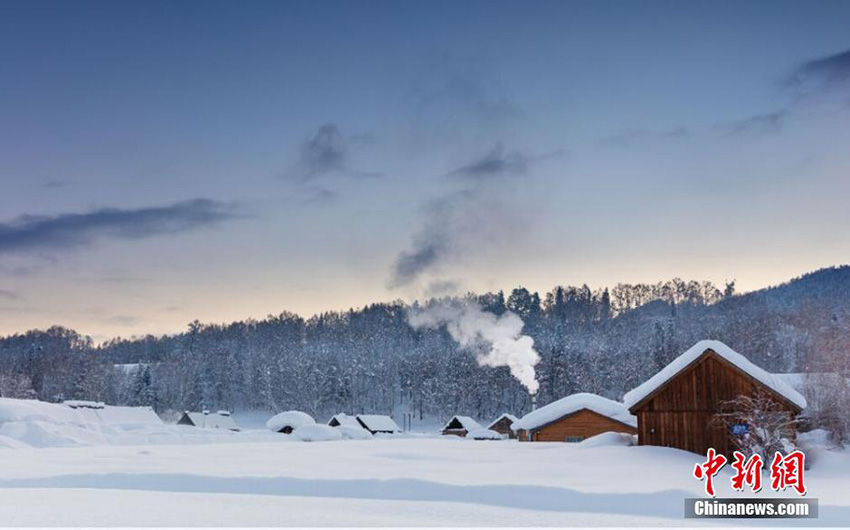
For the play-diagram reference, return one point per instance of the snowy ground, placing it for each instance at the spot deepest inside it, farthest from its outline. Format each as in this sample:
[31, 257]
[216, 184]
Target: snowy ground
[268, 480]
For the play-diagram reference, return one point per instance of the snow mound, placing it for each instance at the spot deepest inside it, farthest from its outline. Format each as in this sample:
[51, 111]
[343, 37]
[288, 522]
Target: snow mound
[350, 432]
[17, 410]
[315, 432]
[570, 404]
[670, 371]
[609, 439]
[48, 434]
[484, 434]
[291, 419]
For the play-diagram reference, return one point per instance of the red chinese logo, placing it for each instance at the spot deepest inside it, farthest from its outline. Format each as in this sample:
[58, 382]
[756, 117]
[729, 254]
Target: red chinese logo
[785, 471]
[747, 472]
[788, 471]
[709, 469]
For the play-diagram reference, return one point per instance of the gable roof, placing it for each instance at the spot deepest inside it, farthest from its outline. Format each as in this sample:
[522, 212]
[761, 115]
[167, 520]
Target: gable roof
[377, 423]
[345, 419]
[572, 404]
[466, 423]
[212, 420]
[511, 418]
[635, 397]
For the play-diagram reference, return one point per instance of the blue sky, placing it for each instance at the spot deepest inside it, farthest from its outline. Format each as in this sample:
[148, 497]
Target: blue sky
[166, 161]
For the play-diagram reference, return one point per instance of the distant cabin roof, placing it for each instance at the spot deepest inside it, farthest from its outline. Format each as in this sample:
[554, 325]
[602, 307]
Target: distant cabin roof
[345, 419]
[464, 422]
[571, 404]
[511, 418]
[213, 421]
[772, 381]
[378, 423]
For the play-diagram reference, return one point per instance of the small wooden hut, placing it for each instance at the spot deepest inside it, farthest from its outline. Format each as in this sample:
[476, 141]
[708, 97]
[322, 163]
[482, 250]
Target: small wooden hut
[677, 407]
[208, 420]
[502, 425]
[460, 426]
[377, 423]
[574, 418]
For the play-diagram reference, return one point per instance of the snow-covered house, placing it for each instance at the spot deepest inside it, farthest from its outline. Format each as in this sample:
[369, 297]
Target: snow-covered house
[502, 425]
[376, 423]
[677, 406]
[208, 420]
[344, 419]
[461, 426]
[574, 418]
[127, 418]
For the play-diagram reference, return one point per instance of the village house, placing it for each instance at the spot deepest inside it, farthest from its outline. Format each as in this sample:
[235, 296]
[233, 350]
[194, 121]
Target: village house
[376, 423]
[678, 406]
[344, 419]
[461, 426]
[574, 418]
[208, 420]
[502, 425]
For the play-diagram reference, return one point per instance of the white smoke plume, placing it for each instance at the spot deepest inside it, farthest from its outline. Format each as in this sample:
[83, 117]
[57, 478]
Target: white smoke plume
[499, 338]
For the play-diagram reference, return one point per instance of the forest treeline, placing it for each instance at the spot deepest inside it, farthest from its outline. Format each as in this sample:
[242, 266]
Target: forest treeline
[371, 360]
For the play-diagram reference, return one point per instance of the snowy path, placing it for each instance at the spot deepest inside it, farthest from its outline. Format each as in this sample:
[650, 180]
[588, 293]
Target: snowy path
[380, 482]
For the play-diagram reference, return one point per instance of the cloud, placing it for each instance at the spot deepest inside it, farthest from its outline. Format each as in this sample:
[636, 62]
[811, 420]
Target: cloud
[55, 184]
[68, 231]
[766, 123]
[627, 138]
[825, 73]
[497, 162]
[325, 153]
[9, 295]
[431, 244]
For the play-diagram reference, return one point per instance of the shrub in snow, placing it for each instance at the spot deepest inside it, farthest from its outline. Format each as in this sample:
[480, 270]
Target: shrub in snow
[484, 434]
[314, 432]
[350, 432]
[763, 425]
[609, 439]
[288, 421]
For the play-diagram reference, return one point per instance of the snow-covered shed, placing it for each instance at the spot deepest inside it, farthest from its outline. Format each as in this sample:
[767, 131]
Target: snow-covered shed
[288, 421]
[376, 423]
[209, 420]
[677, 406]
[574, 418]
[502, 425]
[461, 426]
[128, 418]
[344, 419]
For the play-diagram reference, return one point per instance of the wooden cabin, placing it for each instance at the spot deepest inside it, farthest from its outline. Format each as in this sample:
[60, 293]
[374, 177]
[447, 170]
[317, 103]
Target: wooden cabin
[460, 426]
[344, 419]
[376, 423]
[573, 419]
[502, 425]
[677, 407]
[207, 420]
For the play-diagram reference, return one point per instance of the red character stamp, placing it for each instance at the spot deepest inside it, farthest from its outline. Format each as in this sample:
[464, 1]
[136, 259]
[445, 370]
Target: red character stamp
[709, 469]
[788, 472]
[747, 472]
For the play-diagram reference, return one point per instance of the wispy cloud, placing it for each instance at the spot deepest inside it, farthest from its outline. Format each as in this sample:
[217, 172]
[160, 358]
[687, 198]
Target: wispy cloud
[327, 152]
[758, 124]
[68, 231]
[635, 136]
[500, 162]
[828, 72]
[9, 295]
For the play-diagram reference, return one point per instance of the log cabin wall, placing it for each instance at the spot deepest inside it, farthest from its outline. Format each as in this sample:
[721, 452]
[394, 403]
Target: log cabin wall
[503, 426]
[582, 424]
[682, 413]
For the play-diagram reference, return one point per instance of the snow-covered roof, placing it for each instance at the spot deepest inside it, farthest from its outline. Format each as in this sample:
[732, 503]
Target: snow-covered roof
[128, 417]
[378, 423]
[465, 422]
[574, 403]
[291, 418]
[484, 434]
[212, 421]
[511, 418]
[80, 404]
[345, 419]
[670, 371]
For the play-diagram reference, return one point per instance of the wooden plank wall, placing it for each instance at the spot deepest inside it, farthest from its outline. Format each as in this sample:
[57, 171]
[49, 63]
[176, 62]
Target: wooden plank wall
[584, 424]
[682, 413]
